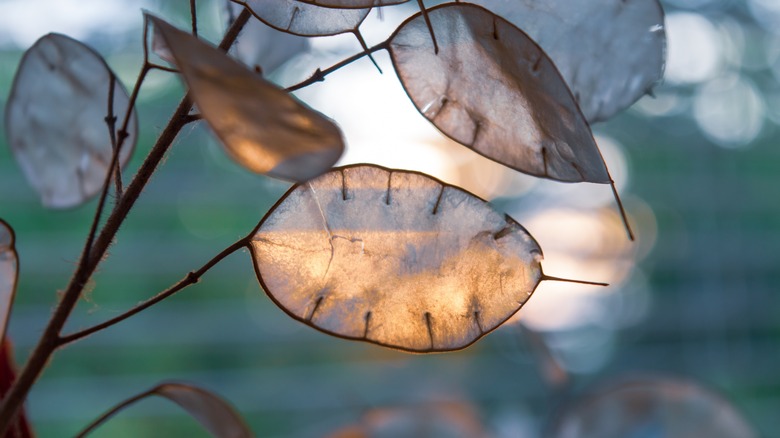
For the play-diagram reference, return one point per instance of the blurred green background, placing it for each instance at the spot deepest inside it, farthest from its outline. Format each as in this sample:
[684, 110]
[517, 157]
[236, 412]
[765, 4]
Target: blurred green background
[695, 297]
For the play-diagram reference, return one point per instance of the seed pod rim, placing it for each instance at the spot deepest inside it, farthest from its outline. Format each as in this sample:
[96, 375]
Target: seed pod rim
[483, 333]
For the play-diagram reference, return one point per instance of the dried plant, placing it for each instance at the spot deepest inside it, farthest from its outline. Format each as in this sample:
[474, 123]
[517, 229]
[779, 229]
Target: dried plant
[392, 257]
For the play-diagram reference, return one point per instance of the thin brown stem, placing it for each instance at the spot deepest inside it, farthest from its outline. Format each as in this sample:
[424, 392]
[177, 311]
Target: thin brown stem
[194, 16]
[571, 280]
[145, 39]
[122, 134]
[622, 210]
[49, 340]
[319, 75]
[190, 279]
[111, 412]
[427, 19]
[153, 66]
[192, 118]
[364, 46]
[111, 122]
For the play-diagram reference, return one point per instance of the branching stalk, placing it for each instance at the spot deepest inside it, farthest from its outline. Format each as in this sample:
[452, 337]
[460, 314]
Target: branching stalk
[319, 75]
[190, 279]
[50, 339]
[97, 244]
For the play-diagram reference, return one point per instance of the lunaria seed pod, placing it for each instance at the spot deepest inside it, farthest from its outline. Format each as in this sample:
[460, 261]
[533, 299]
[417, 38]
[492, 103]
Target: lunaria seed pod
[396, 258]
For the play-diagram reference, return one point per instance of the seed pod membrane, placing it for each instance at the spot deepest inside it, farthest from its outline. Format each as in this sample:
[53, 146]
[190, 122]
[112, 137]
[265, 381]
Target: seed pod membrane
[494, 90]
[261, 126]
[396, 258]
[55, 120]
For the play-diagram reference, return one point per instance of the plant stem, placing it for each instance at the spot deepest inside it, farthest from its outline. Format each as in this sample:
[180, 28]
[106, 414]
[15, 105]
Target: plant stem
[190, 279]
[319, 75]
[194, 16]
[110, 413]
[50, 339]
[111, 122]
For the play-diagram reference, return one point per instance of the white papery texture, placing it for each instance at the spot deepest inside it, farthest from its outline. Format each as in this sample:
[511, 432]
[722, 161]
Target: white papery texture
[352, 4]
[305, 19]
[492, 89]
[55, 120]
[610, 52]
[261, 45]
[261, 126]
[9, 268]
[395, 258]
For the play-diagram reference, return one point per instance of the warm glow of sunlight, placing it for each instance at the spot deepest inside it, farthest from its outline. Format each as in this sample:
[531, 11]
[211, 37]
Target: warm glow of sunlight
[582, 245]
[694, 53]
[391, 133]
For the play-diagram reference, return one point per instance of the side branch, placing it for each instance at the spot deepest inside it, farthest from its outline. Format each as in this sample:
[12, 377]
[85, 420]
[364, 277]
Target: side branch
[190, 279]
[319, 75]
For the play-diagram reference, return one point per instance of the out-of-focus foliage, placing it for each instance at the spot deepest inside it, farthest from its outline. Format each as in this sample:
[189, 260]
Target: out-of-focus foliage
[261, 126]
[211, 411]
[492, 89]
[435, 420]
[9, 272]
[395, 258]
[652, 406]
[55, 120]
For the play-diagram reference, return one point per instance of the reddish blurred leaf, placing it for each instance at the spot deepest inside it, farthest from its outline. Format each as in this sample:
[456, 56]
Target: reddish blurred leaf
[550, 368]
[304, 19]
[396, 258]
[9, 273]
[20, 428]
[610, 52]
[55, 120]
[261, 126]
[212, 412]
[492, 89]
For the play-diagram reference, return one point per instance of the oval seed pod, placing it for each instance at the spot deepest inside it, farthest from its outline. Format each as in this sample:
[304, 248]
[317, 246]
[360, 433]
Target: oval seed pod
[394, 257]
[494, 90]
[304, 19]
[651, 406]
[263, 46]
[55, 120]
[9, 273]
[610, 52]
[261, 126]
